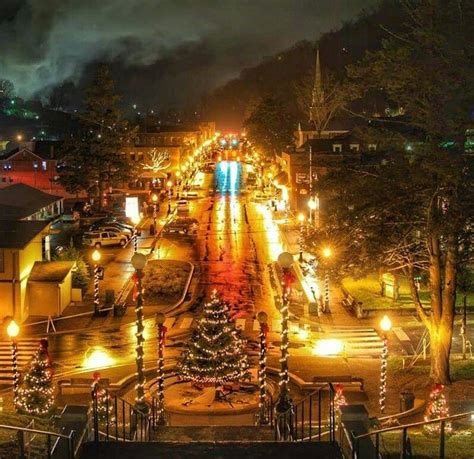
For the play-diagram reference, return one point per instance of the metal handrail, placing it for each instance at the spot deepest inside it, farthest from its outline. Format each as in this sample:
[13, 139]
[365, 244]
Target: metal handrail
[36, 431]
[414, 424]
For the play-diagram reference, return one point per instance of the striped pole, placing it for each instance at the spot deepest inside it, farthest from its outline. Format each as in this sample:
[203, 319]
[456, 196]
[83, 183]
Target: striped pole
[326, 292]
[96, 289]
[135, 239]
[262, 371]
[383, 374]
[16, 374]
[160, 319]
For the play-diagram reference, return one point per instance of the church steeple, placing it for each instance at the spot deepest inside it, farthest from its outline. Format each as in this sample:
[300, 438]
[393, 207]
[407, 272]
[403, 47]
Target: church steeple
[317, 95]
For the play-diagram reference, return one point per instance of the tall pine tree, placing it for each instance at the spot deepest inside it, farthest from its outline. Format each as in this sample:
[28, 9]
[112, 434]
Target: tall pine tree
[36, 394]
[215, 354]
[94, 160]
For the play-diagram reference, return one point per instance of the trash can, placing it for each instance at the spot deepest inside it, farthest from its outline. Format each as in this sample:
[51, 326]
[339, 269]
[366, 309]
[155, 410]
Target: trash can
[109, 297]
[407, 401]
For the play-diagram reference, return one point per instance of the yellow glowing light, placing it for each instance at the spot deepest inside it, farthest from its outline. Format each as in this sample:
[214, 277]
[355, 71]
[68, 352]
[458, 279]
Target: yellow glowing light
[169, 183]
[386, 323]
[13, 329]
[154, 197]
[19, 137]
[303, 334]
[96, 255]
[301, 218]
[327, 347]
[327, 252]
[136, 219]
[312, 204]
[97, 358]
[270, 175]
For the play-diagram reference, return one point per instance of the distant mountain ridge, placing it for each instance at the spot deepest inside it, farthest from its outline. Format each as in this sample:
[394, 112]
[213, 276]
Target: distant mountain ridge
[279, 74]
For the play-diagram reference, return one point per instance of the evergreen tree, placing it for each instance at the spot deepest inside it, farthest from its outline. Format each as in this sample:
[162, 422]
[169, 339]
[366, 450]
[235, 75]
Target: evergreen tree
[80, 272]
[36, 394]
[94, 159]
[437, 408]
[215, 354]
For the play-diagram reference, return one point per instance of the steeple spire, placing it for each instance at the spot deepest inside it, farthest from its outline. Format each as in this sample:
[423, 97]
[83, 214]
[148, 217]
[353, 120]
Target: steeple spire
[317, 95]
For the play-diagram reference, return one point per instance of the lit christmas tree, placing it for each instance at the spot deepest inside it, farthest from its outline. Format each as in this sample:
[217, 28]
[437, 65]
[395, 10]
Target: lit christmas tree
[437, 408]
[339, 398]
[104, 403]
[36, 394]
[215, 354]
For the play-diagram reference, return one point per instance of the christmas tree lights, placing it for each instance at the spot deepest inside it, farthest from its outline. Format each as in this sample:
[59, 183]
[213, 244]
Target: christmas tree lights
[104, 406]
[36, 394]
[437, 408]
[215, 354]
[339, 398]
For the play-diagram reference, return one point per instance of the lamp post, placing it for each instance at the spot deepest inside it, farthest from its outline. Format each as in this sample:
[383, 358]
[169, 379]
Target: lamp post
[13, 330]
[385, 326]
[301, 222]
[178, 183]
[135, 221]
[154, 198]
[284, 405]
[96, 256]
[138, 263]
[327, 252]
[160, 320]
[262, 370]
[169, 184]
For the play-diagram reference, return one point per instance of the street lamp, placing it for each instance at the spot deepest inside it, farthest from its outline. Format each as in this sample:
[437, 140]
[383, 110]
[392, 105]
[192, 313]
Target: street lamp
[262, 371]
[96, 256]
[301, 222]
[13, 330]
[385, 326]
[169, 184]
[160, 320]
[154, 198]
[138, 262]
[284, 405]
[327, 253]
[135, 221]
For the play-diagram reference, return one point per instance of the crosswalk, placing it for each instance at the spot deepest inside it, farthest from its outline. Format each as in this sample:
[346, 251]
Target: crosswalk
[358, 341]
[27, 347]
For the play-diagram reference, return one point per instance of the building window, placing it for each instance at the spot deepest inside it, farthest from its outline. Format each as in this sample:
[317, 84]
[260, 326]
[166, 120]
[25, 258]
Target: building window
[10, 179]
[140, 157]
[35, 165]
[354, 147]
[336, 148]
[4, 180]
[132, 156]
[44, 165]
[372, 147]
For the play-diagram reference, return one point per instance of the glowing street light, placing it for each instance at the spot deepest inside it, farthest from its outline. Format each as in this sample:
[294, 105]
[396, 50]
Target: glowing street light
[385, 326]
[96, 256]
[13, 330]
[301, 220]
[154, 198]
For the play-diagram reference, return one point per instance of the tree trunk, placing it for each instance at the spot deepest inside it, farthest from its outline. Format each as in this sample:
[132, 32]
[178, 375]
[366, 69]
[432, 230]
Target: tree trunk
[440, 342]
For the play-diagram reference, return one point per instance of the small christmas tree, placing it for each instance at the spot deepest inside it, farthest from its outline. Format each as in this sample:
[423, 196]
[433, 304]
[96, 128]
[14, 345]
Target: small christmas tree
[36, 394]
[339, 398]
[437, 408]
[215, 354]
[104, 403]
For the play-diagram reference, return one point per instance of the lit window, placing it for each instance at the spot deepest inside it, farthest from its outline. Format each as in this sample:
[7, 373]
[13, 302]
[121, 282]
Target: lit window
[337, 148]
[372, 147]
[354, 147]
[35, 165]
[44, 165]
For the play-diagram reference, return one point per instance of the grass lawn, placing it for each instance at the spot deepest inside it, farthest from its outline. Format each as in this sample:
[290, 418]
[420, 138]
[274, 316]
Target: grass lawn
[459, 445]
[165, 280]
[367, 290]
[8, 446]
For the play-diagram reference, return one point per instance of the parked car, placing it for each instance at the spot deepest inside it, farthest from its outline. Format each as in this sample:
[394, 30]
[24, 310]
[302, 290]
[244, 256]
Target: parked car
[117, 229]
[103, 238]
[182, 206]
[109, 221]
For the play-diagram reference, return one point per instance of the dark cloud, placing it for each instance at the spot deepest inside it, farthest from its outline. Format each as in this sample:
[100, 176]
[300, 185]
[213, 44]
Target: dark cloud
[161, 50]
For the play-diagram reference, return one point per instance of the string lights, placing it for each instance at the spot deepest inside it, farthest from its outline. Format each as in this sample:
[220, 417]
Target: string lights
[385, 325]
[36, 395]
[160, 320]
[437, 408]
[215, 354]
[262, 363]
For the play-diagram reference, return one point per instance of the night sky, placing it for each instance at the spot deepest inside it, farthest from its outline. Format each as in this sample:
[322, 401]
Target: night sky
[163, 52]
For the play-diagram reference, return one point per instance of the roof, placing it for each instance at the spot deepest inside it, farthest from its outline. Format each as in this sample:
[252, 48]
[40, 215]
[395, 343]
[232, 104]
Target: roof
[16, 234]
[20, 201]
[45, 149]
[50, 271]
